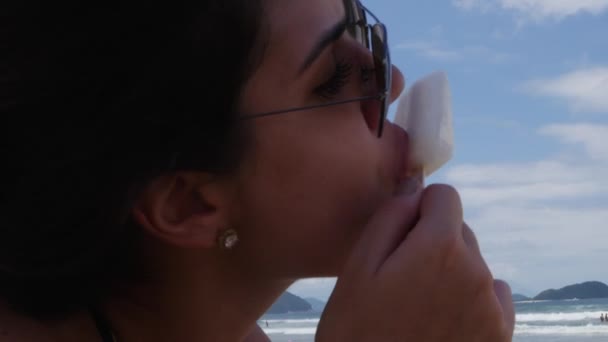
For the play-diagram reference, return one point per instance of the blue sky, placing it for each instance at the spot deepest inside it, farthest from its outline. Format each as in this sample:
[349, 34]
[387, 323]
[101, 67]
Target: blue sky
[529, 83]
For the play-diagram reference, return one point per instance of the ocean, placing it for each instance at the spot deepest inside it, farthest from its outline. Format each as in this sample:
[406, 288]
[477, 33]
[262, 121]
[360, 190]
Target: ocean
[536, 321]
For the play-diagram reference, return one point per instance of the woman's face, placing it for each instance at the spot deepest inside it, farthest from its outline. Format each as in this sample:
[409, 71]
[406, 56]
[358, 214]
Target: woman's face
[313, 178]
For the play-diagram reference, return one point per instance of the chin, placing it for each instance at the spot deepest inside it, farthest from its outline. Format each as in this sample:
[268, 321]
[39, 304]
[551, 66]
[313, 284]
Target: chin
[333, 268]
[324, 268]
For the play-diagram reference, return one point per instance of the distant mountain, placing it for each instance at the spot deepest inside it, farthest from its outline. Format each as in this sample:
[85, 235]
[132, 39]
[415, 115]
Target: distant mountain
[289, 303]
[591, 289]
[519, 297]
[317, 304]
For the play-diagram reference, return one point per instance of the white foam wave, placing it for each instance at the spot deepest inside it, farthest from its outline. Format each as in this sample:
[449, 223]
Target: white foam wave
[559, 316]
[293, 321]
[589, 329]
[291, 331]
[520, 329]
[531, 301]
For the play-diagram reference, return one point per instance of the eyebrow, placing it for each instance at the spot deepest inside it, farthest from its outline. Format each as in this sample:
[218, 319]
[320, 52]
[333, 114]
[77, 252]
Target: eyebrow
[328, 37]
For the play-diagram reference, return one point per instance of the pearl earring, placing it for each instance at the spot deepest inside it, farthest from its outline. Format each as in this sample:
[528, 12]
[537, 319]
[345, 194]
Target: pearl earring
[228, 239]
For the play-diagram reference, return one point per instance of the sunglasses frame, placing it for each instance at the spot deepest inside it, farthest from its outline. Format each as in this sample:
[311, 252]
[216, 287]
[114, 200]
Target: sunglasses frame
[357, 17]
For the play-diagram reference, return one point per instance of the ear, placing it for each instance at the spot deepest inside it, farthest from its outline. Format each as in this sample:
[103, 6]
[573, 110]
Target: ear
[187, 209]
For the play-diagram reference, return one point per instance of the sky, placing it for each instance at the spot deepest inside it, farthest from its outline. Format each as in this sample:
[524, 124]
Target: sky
[529, 81]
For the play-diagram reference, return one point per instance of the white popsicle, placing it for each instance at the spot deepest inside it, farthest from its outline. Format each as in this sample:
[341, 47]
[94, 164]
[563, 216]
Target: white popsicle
[425, 112]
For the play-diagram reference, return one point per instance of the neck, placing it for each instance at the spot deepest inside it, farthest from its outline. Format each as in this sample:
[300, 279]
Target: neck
[193, 302]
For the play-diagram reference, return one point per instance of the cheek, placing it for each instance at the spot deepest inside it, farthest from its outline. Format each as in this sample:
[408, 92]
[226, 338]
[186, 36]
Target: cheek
[304, 205]
[371, 113]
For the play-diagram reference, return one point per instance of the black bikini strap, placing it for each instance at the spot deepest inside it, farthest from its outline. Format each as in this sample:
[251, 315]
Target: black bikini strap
[103, 325]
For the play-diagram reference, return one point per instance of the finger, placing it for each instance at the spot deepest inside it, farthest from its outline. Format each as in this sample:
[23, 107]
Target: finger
[385, 231]
[505, 297]
[470, 240]
[473, 247]
[440, 219]
[437, 232]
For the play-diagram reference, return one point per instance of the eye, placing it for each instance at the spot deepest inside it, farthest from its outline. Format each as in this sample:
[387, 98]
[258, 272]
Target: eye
[334, 85]
[367, 74]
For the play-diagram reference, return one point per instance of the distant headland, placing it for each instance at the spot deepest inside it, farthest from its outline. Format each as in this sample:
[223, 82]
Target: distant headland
[586, 290]
[289, 302]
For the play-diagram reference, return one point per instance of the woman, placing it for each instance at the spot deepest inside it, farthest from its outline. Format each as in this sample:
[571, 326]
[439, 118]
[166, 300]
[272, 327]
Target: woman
[172, 169]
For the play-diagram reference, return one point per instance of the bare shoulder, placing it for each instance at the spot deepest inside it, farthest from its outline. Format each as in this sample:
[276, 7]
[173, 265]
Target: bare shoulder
[19, 328]
[15, 327]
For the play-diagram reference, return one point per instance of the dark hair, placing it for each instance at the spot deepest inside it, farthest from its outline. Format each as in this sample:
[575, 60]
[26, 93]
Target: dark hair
[96, 99]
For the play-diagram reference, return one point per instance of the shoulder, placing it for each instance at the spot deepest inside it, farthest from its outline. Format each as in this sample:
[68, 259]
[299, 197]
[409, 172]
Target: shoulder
[15, 327]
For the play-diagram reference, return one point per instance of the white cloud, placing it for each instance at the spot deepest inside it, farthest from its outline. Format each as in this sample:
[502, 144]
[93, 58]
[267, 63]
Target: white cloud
[519, 173]
[545, 225]
[434, 50]
[431, 50]
[538, 9]
[542, 224]
[482, 196]
[542, 246]
[576, 178]
[546, 181]
[585, 89]
[472, 4]
[594, 137]
[491, 122]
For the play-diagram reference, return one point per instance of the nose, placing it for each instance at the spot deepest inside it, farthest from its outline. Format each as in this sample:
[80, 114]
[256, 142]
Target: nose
[398, 83]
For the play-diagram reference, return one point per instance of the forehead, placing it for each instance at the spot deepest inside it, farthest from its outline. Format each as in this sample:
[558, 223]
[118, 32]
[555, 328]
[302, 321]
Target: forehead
[296, 25]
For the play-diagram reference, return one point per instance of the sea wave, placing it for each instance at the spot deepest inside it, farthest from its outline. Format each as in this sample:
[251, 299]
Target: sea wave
[520, 329]
[558, 316]
[293, 321]
[291, 331]
[589, 329]
[532, 301]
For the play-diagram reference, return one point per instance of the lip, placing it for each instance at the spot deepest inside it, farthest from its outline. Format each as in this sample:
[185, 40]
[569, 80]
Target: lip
[402, 149]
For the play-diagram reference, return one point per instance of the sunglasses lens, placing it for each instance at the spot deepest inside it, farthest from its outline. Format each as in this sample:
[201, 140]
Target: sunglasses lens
[356, 15]
[379, 53]
[382, 66]
[373, 38]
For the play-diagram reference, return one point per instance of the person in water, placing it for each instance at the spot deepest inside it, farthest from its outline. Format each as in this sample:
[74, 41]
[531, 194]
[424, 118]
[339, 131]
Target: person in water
[171, 168]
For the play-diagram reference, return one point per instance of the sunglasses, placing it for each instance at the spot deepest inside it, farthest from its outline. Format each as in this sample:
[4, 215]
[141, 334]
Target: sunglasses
[374, 38]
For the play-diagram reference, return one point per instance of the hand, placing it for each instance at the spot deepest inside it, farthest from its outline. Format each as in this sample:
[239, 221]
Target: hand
[417, 275]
